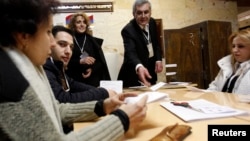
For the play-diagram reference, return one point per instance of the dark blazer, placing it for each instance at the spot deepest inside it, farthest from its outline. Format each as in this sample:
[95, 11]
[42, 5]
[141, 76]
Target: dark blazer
[136, 52]
[99, 69]
[79, 92]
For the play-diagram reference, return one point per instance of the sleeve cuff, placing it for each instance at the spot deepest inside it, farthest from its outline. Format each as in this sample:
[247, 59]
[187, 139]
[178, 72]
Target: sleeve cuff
[123, 117]
[137, 66]
[99, 108]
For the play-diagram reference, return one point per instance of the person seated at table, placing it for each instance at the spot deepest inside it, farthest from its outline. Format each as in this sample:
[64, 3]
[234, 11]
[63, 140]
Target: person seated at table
[29, 110]
[234, 74]
[65, 88]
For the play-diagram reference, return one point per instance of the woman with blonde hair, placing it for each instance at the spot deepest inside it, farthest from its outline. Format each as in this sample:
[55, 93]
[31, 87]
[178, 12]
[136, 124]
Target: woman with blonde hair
[234, 74]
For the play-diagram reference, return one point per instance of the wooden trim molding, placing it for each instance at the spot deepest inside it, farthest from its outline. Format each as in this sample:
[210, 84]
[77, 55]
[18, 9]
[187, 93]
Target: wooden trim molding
[72, 7]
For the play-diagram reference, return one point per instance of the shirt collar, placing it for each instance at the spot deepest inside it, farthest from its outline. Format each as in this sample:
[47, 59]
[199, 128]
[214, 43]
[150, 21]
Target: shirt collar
[146, 28]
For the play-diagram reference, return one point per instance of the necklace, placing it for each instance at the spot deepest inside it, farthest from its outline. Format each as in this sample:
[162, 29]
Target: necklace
[81, 48]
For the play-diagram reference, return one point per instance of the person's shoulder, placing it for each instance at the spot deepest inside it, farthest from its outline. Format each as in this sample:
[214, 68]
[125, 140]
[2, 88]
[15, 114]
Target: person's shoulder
[95, 40]
[130, 24]
[10, 74]
[225, 60]
[48, 64]
[99, 40]
[152, 21]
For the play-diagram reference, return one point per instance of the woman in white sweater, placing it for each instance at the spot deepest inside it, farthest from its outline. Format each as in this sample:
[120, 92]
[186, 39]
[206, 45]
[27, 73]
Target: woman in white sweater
[29, 111]
[234, 74]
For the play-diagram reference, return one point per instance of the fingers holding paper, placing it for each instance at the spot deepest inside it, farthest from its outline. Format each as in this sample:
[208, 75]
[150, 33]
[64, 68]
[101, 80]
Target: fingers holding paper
[114, 102]
[136, 111]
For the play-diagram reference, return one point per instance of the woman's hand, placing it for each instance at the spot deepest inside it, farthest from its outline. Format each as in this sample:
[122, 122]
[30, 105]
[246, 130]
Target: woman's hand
[111, 92]
[87, 60]
[136, 111]
[112, 103]
[87, 73]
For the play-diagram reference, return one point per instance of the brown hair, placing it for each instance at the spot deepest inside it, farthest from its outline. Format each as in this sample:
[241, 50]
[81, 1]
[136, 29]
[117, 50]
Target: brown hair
[72, 21]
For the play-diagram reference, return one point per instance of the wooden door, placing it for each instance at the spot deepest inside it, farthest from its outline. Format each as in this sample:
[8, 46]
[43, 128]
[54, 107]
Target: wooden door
[182, 47]
[217, 33]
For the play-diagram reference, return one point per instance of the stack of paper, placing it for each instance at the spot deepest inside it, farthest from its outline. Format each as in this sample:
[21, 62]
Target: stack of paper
[208, 110]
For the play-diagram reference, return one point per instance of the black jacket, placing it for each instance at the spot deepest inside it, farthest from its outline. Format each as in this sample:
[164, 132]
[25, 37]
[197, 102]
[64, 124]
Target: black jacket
[136, 51]
[99, 68]
[79, 92]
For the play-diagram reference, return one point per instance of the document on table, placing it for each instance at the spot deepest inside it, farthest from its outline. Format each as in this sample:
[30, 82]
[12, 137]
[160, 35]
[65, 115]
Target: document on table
[152, 88]
[117, 86]
[152, 97]
[207, 110]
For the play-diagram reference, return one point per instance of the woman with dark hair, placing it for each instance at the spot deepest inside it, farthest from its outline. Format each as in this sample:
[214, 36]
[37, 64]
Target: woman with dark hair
[29, 111]
[87, 64]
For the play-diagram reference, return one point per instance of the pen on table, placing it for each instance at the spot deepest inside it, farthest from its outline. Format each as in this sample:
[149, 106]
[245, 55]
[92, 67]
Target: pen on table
[186, 105]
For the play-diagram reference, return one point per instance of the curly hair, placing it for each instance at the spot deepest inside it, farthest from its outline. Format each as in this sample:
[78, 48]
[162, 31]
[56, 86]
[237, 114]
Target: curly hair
[72, 21]
[23, 16]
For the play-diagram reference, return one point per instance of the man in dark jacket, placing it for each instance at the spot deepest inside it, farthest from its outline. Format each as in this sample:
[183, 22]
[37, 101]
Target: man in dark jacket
[142, 54]
[65, 88]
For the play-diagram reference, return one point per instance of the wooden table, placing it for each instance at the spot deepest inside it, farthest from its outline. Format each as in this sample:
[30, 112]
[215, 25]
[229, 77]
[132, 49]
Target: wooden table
[158, 117]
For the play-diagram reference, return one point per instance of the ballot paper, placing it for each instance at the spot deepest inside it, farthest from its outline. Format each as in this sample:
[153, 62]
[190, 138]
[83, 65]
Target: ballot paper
[157, 86]
[152, 88]
[207, 110]
[116, 86]
[152, 97]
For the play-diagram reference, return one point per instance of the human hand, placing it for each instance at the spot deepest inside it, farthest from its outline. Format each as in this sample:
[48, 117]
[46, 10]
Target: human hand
[136, 111]
[143, 74]
[111, 92]
[158, 67]
[87, 60]
[112, 103]
[87, 73]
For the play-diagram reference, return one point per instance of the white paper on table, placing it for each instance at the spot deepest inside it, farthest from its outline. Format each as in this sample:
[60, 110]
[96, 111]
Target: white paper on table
[210, 110]
[152, 97]
[157, 86]
[152, 88]
[116, 86]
